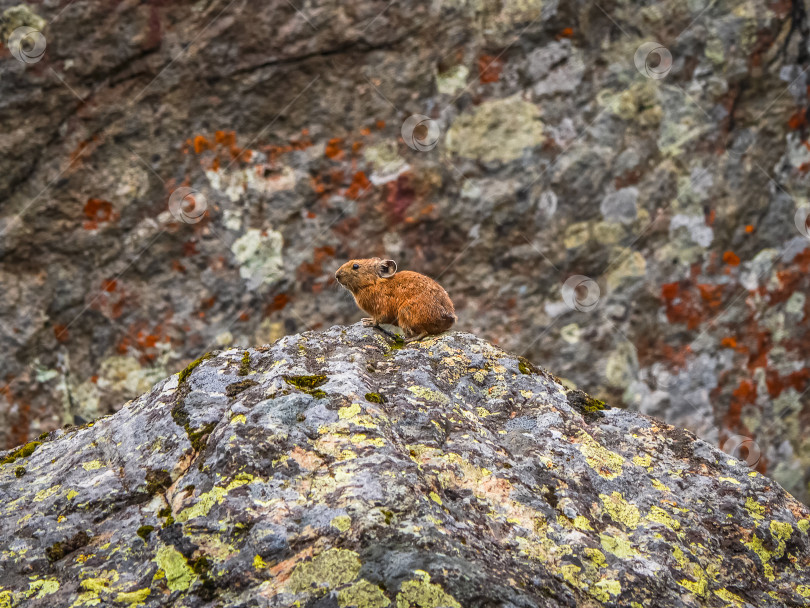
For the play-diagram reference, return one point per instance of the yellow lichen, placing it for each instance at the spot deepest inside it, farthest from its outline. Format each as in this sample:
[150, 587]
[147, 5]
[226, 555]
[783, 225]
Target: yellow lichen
[429, 394]
[435, 498]
[327, 570]
[239, 419]
[46, 493]
[38, 589]
[422, 593]
[756, 510]
[697, 587]
[207, 500]
[642, 461]
[608, 464]
[100, 583]
[133, 597]
[582, 523]
[341, 522]
[781, 530]
[728, 597]
[620, 547]
[755, 545]
[259, 563]
[362, 594]
[92, 465]
[602, 588]
[350, 411]
[179, 576]
[621, 510]
[657, 514]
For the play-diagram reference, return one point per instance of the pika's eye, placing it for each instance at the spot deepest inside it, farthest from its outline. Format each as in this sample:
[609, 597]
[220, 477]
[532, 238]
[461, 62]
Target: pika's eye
[355, 266]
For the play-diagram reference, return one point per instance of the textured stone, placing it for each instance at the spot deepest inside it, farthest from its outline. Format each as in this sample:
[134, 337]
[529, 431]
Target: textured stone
[446, 473]
[288, 119]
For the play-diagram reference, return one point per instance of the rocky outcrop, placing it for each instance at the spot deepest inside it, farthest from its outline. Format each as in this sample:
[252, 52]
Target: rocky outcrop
[565, 145]
[340, 469]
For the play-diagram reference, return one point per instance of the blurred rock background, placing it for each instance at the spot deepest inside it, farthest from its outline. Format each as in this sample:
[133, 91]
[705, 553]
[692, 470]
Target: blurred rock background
[631, 216]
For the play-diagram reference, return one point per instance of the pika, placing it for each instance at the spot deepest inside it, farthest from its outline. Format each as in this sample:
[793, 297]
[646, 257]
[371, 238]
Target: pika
[415, 303]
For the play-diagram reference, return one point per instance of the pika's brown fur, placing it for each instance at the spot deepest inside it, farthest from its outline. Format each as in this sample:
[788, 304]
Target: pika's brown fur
[415, 303]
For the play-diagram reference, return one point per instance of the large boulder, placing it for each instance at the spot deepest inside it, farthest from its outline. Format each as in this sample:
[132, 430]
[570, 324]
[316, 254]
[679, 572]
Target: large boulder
[566, 146]
[342, 469]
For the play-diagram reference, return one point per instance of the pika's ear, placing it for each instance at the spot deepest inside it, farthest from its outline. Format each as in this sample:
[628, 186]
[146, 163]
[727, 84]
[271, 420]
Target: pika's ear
[386, 268]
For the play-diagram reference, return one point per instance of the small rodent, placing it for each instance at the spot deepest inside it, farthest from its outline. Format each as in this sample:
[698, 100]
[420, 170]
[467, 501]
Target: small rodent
[415, 303]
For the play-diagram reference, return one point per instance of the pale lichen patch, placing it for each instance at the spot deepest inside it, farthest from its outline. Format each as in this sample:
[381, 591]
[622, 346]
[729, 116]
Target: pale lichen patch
[424, 594]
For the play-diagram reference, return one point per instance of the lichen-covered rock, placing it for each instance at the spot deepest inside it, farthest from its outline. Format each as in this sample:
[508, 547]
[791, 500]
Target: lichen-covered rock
[559, 152]
[337, 468]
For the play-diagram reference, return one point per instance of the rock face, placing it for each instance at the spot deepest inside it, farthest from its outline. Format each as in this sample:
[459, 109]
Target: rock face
[553, 147]
[338, 469]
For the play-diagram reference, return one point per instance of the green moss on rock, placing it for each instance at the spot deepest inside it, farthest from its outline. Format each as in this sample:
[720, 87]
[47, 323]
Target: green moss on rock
[526, 367]
[183, 375]
[19, 472]
[375, 398]
[60, 549]
[232, 390]
[586, 405]
[244, 368]
[144, 532]
[157, 481]
[199, 437]
[22, 452]
[308, 384]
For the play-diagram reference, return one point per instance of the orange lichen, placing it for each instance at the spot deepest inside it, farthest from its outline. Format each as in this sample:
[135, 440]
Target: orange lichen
[201, 144]
[319, 256]
[798, 120]
[749, 228]
[97, 210]
[142, 340]
[334, 148]
[489, 68]
[109, 285]
[60, 332]
[731, 258]
[567, 32]
[358, 186]
[279, 302]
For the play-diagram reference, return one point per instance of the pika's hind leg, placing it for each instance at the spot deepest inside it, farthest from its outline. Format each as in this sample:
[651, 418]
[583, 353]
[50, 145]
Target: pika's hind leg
[408, 319]
[370, 322]
[416, 337]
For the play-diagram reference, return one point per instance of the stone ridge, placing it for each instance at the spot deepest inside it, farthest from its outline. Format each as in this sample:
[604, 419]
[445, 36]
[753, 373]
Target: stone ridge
[332, 468]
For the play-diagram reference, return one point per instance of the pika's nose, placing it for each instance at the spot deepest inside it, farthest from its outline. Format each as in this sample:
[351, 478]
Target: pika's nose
[338, 275]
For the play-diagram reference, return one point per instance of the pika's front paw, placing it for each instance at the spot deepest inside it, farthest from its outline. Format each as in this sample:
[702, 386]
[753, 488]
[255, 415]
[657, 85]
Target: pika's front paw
[368, 322]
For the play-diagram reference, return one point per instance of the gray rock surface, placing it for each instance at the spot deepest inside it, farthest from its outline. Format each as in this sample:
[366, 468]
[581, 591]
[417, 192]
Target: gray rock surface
[560, 152]
[338, 469]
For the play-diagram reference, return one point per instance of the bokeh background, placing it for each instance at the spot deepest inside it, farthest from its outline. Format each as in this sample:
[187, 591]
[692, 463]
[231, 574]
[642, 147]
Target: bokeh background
[616, 190]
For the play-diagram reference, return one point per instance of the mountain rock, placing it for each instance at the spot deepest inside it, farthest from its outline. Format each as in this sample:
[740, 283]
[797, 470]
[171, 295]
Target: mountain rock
[339, 468]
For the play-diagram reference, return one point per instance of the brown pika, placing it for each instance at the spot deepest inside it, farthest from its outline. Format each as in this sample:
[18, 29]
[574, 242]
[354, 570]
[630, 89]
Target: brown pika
[415, 303]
